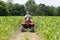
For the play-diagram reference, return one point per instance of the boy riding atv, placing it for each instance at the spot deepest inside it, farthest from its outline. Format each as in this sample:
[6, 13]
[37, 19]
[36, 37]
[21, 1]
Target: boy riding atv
[27, 23]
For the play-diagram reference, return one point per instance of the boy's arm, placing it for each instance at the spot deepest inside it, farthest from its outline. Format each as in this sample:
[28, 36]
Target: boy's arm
[23, 22]
[32, 22]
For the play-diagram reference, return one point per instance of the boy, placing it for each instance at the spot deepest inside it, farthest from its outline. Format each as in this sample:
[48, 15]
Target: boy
[27, 23]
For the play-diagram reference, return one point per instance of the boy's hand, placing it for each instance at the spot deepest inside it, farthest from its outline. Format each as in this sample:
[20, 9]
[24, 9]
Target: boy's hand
[27, 23]
[31, 23]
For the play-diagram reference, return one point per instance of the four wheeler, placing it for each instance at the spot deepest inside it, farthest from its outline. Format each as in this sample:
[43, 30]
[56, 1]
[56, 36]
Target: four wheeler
[27, 23]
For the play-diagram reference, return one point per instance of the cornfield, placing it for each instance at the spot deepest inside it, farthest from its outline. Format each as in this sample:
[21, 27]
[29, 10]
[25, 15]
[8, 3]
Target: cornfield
[46, 25]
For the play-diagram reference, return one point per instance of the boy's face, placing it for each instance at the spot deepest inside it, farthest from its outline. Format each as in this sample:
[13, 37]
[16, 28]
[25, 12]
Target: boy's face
[27, 19]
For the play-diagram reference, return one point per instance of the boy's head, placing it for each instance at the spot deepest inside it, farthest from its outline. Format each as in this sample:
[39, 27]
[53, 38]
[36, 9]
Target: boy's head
[27, 17]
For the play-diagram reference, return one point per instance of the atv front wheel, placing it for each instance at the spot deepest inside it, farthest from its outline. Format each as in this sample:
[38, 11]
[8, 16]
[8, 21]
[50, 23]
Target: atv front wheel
[22, 29]
[32, 29]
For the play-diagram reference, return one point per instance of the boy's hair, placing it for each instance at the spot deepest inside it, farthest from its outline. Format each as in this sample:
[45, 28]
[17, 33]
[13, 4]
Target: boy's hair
[27, 15]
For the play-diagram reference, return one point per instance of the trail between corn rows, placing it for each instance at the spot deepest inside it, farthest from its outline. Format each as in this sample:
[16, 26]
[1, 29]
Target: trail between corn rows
[17, 35]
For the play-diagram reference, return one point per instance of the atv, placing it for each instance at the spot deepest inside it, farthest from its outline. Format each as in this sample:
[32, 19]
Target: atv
[26, 25]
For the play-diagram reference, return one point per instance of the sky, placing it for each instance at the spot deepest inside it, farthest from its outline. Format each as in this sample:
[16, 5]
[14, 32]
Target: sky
[54, 3]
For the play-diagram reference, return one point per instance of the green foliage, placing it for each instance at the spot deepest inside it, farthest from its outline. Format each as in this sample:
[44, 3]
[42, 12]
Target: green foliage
[3, 11]
[31, 7]
[58, 9]
[10, 9]
[7, 25]
[17, 10]
[48, 26]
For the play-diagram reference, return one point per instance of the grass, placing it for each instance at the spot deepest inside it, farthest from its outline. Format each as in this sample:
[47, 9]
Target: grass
[26, 37]
[46, 25]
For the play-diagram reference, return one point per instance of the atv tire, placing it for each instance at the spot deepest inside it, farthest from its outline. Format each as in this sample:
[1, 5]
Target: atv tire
[32, 29]
[22, 29]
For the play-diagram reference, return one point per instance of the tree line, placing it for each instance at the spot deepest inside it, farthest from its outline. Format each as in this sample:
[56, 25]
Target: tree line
[10, 9]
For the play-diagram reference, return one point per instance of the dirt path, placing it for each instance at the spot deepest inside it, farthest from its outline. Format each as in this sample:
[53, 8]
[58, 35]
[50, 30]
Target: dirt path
[17, 35]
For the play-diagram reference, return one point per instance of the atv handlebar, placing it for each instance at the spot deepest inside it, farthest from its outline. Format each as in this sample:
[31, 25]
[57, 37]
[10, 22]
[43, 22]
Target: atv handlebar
[28, 23]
